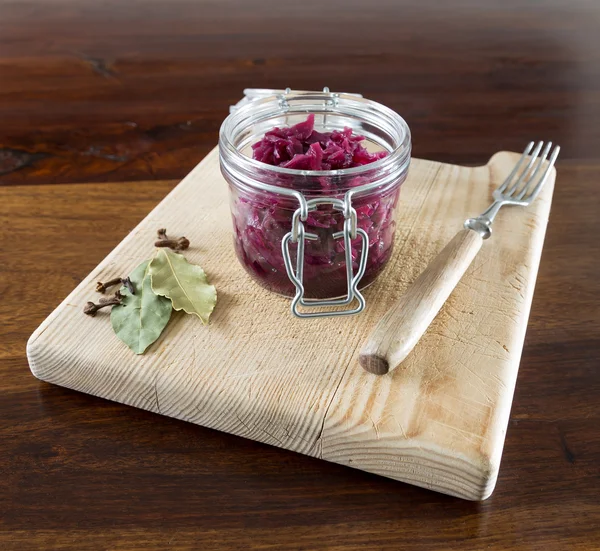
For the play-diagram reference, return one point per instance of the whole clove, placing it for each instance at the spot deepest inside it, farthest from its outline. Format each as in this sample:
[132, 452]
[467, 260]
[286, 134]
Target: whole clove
[179, 244]
[91, 309]
[102, 287]
[163, 240]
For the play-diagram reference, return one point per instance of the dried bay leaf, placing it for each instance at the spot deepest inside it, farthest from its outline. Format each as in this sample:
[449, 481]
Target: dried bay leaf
[184, 283]
[140, 319]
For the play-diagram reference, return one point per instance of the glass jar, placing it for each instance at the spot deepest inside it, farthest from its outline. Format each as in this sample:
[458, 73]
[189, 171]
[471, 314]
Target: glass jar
[318, 236]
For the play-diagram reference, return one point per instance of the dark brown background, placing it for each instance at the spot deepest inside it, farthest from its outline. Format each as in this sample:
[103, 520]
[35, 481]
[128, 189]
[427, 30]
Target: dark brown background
[135, 91]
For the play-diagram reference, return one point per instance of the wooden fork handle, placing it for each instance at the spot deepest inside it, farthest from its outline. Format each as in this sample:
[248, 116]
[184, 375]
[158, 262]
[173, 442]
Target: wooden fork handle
[404, 324]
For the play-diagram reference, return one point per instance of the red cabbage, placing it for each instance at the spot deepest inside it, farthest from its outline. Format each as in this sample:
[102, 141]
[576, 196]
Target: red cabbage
[301, 147]
[260, 221]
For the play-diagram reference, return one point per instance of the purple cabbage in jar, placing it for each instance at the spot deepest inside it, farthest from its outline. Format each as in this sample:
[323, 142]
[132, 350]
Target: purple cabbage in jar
[301, 147]
[262, 220]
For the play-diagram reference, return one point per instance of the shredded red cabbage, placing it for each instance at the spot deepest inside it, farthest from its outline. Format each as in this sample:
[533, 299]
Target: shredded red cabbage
[303, 148]
[260, 221]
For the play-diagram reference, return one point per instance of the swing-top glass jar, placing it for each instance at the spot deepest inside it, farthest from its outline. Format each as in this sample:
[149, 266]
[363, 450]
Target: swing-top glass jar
[316, 235]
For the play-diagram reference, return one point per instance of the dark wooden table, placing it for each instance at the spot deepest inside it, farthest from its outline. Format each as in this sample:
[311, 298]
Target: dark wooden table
[95, 94]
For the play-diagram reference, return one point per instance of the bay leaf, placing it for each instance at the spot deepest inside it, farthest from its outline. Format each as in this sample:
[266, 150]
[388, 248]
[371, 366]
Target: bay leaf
[184, 283]
[140, 319]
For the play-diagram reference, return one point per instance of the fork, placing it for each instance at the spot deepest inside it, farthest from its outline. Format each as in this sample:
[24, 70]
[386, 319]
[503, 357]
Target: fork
[404, 324]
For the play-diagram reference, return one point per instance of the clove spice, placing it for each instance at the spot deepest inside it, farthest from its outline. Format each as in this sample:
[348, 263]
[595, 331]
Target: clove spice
[163, 240]
[102, 287]
[179, 244]
[90, 308]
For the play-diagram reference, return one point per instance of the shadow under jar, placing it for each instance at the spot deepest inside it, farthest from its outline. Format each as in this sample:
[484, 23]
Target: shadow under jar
[275, 209]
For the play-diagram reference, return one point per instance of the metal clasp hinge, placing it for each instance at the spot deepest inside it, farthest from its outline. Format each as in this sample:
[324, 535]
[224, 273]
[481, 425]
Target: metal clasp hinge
[251, 94]
[350, 232]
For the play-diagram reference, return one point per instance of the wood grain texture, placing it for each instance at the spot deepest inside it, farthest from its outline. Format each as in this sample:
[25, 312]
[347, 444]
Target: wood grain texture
[258, 372]
[400, 329]
[136, 90]
[82, 474]
[114, 91]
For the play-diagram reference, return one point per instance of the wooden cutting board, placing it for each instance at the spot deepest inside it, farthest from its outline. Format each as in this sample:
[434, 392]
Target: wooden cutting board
[438, 421]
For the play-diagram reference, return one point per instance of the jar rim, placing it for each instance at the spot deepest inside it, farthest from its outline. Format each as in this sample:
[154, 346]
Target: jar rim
[399, 156]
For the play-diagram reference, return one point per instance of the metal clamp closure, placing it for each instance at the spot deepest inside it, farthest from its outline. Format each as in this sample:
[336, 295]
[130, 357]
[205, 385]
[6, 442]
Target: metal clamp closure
[350, 232]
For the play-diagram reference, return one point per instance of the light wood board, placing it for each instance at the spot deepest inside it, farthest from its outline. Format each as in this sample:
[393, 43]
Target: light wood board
[438, 421]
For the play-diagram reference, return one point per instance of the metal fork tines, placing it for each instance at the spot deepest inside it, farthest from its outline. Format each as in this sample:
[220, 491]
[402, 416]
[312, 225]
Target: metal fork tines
[521, 186]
